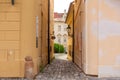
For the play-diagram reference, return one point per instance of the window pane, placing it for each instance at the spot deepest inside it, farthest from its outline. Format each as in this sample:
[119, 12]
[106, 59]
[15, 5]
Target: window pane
[59, 27]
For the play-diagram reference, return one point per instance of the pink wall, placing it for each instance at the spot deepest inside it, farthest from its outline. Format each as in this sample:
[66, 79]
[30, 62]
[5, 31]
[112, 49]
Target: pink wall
[109, 38]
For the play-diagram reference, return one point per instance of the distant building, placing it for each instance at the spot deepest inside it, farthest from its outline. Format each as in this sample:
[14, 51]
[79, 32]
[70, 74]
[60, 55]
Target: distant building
[60, 29]
[70, 22]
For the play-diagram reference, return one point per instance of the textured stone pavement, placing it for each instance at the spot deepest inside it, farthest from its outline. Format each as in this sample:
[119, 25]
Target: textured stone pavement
[61, 69]
[65, 70]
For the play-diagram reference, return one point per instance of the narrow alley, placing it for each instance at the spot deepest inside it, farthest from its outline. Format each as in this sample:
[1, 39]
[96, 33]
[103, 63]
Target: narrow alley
[59, 39]
[60, 69]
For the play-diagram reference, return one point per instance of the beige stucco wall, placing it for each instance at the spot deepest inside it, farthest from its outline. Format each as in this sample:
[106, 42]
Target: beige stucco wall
[86, 54]
[77, 34]
[97, 37]
[18, 35]
[70, 39]
[92, 40]
[10, 19]
[109, 37]
[99, 21]
[69, 21]
[103, 29]
[51, 28]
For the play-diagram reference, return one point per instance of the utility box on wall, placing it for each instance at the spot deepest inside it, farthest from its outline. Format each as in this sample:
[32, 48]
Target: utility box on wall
[18, 35]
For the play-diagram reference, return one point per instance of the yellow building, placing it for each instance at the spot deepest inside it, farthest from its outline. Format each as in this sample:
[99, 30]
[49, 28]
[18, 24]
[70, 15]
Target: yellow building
[23, 32]
[52, 29]
[97, 36]
[70, 22]
[78, 22]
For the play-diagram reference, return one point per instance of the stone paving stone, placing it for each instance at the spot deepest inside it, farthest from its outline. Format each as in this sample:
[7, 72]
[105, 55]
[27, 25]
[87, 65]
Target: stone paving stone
[12, 79]
[65, 70]
[62, 70]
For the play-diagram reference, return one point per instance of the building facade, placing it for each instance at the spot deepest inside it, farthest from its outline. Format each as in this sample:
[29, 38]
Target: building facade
[78, 10]
[23, 32]
[96, 37]
[51, 29]
[70, 22]
[60, 29]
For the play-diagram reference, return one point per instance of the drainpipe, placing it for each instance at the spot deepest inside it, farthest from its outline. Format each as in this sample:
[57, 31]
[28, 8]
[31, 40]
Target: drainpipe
[48, 31]
[13, 2]
[73, 37]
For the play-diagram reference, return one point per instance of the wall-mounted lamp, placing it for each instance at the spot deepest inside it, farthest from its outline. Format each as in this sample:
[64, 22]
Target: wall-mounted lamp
[12, 2]
[53, 36]
[69, 30]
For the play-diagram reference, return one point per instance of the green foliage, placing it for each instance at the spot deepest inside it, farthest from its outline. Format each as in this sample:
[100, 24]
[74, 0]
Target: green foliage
[58, 48]
[61, 49]
[41, 68]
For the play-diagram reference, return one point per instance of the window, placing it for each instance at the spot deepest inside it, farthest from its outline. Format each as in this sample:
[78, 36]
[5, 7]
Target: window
[37, 25]
[59, 27]
[59, 38]
[65, 29]
[65, 40]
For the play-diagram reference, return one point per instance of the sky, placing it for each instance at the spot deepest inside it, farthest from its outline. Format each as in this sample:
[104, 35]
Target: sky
[61, 5]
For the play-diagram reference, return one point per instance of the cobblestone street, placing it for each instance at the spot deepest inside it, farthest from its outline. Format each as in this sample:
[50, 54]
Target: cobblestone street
[62, 69]
[65, 70]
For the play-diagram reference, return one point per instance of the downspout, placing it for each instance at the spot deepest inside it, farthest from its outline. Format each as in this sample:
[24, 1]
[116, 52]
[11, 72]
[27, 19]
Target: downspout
[73, 37]
[13, 2]
[48, 31]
